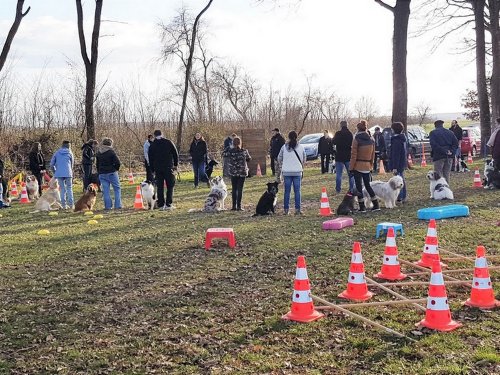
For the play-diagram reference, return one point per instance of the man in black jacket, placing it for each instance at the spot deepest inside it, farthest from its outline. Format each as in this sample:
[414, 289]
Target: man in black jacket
[343, 142]
[88, 158]
[277, 141]
[457, 130]
[325, 149]
[163, 159]
[380, 149]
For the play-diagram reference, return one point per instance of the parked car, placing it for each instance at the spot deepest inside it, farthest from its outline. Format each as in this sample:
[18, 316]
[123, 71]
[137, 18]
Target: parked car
[418, 140]
[310, 143]
[471, 140]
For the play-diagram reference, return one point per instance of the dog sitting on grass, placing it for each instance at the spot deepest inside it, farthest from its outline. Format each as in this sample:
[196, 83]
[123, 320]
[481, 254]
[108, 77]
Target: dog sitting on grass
[267, 202]
[87, 201]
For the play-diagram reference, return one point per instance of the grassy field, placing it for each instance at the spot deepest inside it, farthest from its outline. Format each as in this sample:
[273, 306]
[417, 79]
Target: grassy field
[138, 294]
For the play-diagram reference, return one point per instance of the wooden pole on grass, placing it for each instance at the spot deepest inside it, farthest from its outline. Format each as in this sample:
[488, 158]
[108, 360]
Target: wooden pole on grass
[370, 281]
[446, 277]
[370, 304]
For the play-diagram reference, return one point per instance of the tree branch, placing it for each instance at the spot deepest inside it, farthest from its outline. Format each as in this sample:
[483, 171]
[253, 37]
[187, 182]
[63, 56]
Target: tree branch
[81, 34]
[386, 6]
[12, 32]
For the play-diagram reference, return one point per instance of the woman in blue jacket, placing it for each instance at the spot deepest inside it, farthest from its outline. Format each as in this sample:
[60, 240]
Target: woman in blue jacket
[397, 156]
[62, 164]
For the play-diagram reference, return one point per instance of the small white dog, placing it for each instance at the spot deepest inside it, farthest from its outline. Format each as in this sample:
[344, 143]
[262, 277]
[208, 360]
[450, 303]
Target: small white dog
[32, 187]
[50, 198]
[148, 193]
[216, 197]
[439, 188]
[385, 191]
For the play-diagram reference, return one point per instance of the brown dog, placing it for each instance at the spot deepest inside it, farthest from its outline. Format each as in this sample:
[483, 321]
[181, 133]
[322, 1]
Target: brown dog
[87, 201]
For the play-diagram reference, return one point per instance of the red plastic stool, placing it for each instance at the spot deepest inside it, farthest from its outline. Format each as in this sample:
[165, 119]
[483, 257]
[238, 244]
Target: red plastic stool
[220, 233]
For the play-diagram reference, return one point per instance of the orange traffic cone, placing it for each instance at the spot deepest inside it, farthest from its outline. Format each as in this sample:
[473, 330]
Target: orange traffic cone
[259, 172]
[381, 169]
[437, 315]
[357, 289]
[324, 209]
[431, 252]
[302, 304]
[13, 189]
[410, 161]
[24, 194]
[138, 203]
[423, 163]
[482, 291]
[391, 269]
[477, 179]
[131, 178]
[469, 158]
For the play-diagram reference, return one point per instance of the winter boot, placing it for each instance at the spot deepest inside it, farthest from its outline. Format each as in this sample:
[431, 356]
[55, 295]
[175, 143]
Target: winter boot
[375, 205]
[362, 207]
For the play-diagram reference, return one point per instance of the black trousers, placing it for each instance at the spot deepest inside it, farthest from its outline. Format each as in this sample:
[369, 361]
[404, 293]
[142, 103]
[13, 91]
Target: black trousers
[5, 193]
[361, 179]
[161, 179]
[325, 160]
[237, 190]
[87, 175]
[39, 179]
[149, 173]
[273, 167]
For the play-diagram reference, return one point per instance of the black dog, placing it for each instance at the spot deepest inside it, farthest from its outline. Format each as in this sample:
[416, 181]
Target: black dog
[491, 175]
[209, 169]
[346, 207]
[267, 201]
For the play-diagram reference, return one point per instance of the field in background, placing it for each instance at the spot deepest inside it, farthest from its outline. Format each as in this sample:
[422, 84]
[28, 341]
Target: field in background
[139, 294]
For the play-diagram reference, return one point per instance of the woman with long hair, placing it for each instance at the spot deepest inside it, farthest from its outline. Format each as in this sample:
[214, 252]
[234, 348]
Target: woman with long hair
[292, 158]
[198, 152]
[238, 159]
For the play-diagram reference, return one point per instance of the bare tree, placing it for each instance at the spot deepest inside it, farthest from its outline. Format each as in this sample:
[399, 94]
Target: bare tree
[366, 108]
[90, 63]
[12, 32]
[494, 28]
[422, 111]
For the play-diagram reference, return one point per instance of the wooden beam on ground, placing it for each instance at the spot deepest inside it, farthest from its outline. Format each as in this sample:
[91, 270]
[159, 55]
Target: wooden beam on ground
[372, 282]
[371, 304]
[446, 277]
[459, 270]
[414, 283]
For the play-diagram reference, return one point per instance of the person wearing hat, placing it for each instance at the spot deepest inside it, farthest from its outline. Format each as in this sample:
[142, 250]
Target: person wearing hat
[444, 146]
[88, 158]
[275, 145]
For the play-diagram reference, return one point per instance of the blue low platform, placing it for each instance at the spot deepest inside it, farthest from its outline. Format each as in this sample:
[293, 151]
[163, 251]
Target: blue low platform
[443, 212]
[382, 228]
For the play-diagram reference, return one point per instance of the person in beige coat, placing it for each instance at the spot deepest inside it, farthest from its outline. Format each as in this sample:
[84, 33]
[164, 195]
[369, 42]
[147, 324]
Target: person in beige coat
[362, 156]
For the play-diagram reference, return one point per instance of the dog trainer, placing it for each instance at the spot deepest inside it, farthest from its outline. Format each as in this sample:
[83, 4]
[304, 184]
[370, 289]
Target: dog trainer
[444, 145]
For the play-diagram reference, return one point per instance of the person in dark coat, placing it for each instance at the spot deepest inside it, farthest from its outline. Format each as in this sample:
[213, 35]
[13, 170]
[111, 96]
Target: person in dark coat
[3, 182]
[444, 145]
[325, 149]
[164, 160]
[37, 164]
[198, 152]
[457, 130]
[108, 166]
[277, 141]
[149, 175]
[380, 149]
[343, 143]
[228, 144]
[397, 156]
[238, 158]
[88, 159]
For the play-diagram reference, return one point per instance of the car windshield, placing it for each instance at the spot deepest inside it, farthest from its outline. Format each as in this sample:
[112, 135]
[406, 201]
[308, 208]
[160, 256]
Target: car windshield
[310, 139]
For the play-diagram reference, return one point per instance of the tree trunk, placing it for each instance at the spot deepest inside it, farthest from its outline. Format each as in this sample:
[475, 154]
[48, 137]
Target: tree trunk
[188, 74]
[12, 32]
[482, 88]
[494, 6]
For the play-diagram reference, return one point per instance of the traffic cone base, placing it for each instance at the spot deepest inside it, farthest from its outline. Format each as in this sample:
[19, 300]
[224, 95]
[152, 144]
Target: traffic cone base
[382, 275]
[303, 314]
[482, 294]
[355, 293]
[450, 326]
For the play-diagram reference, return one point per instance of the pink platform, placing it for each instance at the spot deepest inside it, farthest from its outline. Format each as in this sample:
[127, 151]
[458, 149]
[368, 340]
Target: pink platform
[338, 223]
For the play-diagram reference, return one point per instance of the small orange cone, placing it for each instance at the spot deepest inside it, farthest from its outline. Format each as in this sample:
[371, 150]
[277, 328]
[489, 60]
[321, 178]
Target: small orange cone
[357, 289]
[423, 163]
[24, 194]
[302, 304]
[431, 252]
[381, 169]
[469, 158]
[482, 291]
[477, 179]
[131, 178]
[259, 172]
[410, 161]
[391, 269]
[13, 189]
[437, 315]
[138, 203]
[324, 209]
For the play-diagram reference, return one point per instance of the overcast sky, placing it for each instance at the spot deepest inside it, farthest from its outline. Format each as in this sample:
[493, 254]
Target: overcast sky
[344, 44]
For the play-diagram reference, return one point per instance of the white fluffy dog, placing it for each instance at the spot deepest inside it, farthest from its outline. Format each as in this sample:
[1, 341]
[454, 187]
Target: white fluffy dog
[216, 197]
[50, 199]
[439, 188]
[386, 191]
[32, 187]
[148, 193]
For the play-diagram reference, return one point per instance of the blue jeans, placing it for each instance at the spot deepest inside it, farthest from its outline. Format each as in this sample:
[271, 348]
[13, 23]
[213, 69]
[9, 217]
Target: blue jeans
[295, 181]
[199, 171]
[112, 179]
[66, 184]
[402, 193]
[339, 168]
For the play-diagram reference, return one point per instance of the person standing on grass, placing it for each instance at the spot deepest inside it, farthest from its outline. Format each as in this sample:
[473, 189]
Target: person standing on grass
[238, 159]
[380, 150]
[3, 183]
[292, 158]
[228, 144]
[108, 166]
[343, 143]
[494, 144]
[62, 163]
[277, 141]
[362, 156]
[325, 149]
[37, 164]
[164, 160]
[397, 156]
[88, 158]
[444, 146]
[149, 174]
[457, 130]
[198, 152]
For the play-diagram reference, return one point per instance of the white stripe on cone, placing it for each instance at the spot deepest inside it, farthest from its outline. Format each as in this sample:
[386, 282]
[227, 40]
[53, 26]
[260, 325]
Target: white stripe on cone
[356, 278]
[481, 283]
[481, 263]
[431, 232]
[301, 296]
[431, 249]
[390, 260]
[325, 205]
[437, 279]
[437, 303]
[301, 274]
[391, 242]
[356, 258]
